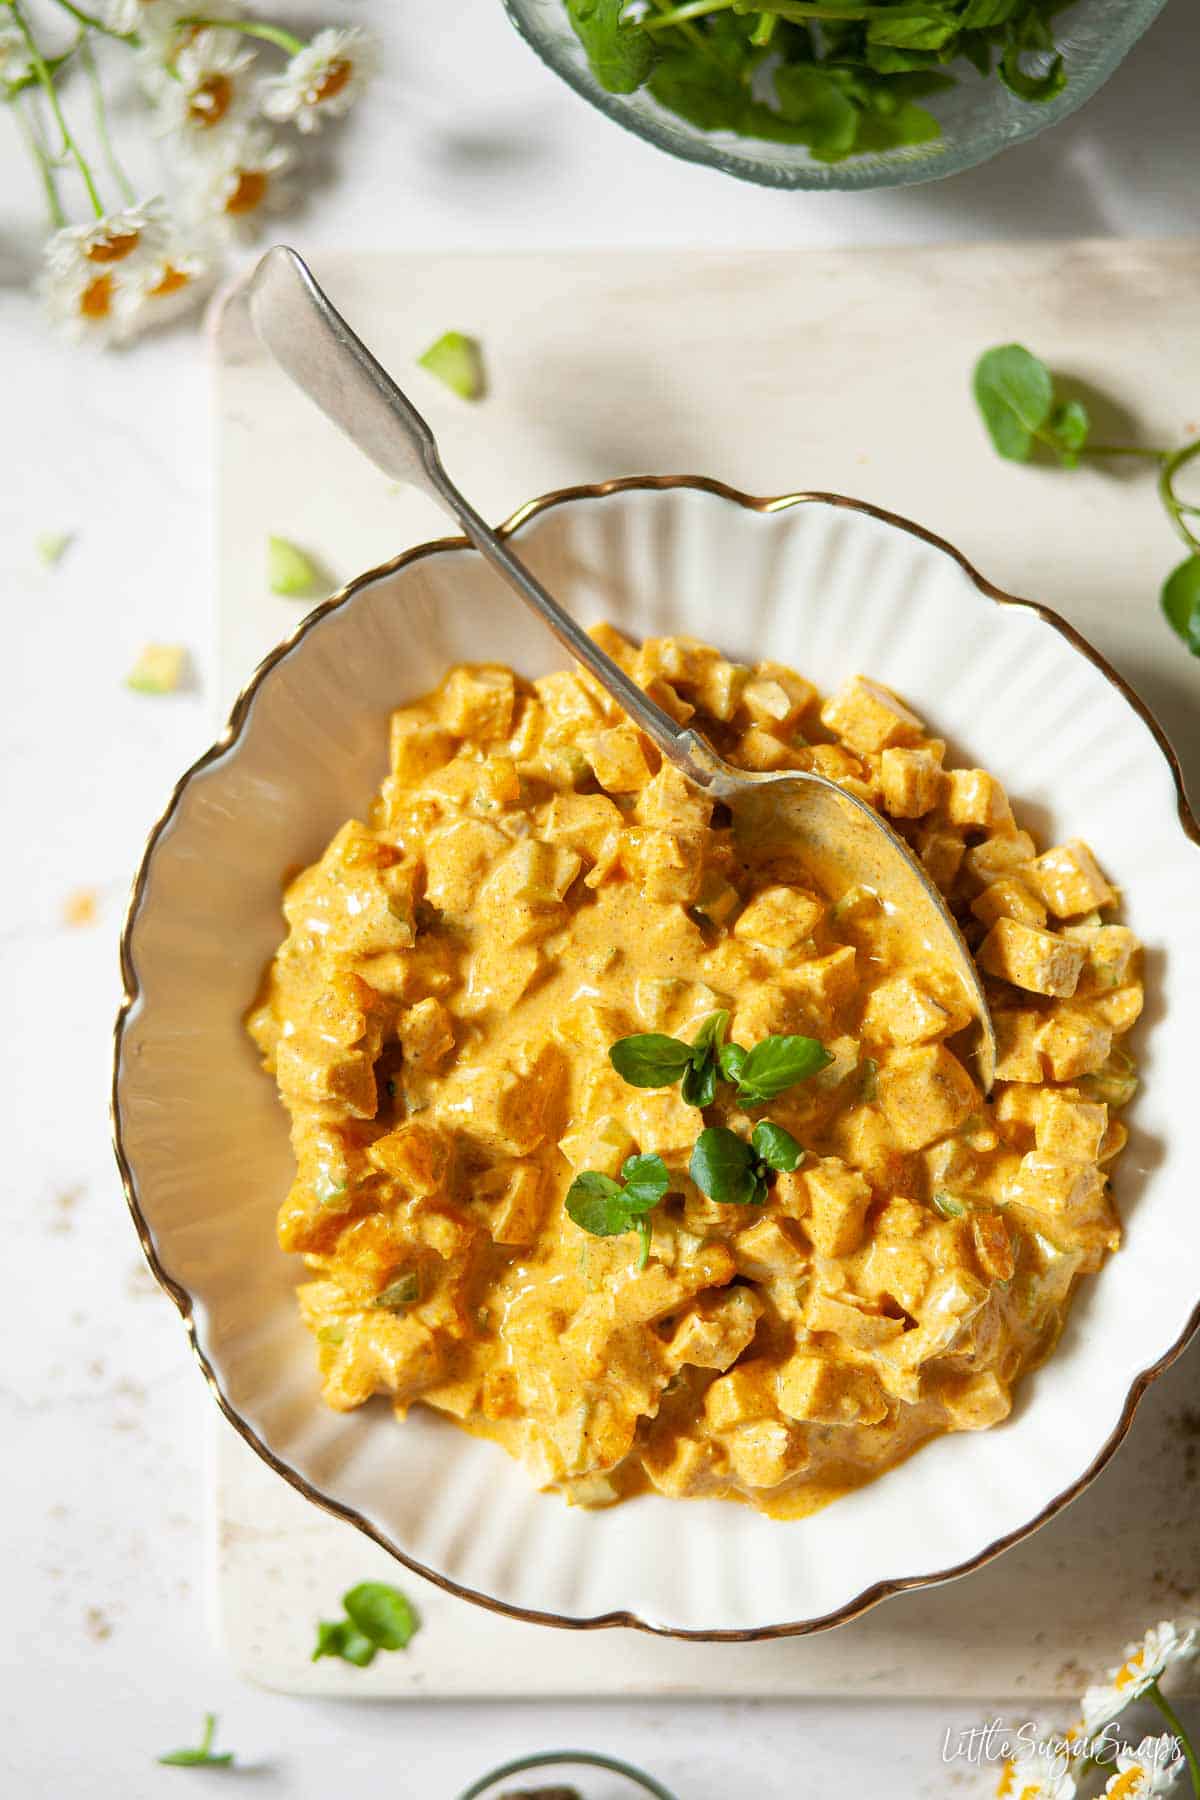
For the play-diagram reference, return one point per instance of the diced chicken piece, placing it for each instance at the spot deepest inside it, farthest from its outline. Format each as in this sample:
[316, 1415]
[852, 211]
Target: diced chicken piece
[870, 717]
[671, 701]
[1108, 950]
[614, 643]
[477, 701]
[816, 1389]
[499, 973]
[855, 1325]
[764, 1453]
[1063, 1189]
[1119, 1009]
[1038, 961]
[426, 1035]
[780, 917]
[683, 1467]
[836, 1199]
[416, 747]
[777, 697]
[417, 1156]
[896, 1269]
[903, 1011]
[1008, 897]
[671, 802]
[1073, 1044]
[1068, 879]
[925, 1093]
[662, 1121]
[1016, 1108]
[1115, 1139]
[383, 1352]
[719, 689]
[973, 1402]
[603, 1144]
[941, 852]
[993, 1246]
[761, 750]
[508, 1110]
[515, 1191]
[747, 1392]
[583, 822]
[346, 1080]
[683, 660]
[770, 1250]
[976, 800]
[718, 900]
[716, 1330]
[525, 891]
[481, 786]
[1002, 854]
[1071, 1128]
[570, 705]
[900, 1218]
[457, 862]
[912, 781]
[1018, 1036]
[825, 982]
[618, 760]
[667, 864]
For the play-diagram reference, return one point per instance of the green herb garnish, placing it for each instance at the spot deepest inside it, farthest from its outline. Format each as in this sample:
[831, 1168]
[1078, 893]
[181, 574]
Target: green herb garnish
[609, 1208]
[404, 1291]
[1016, 393]
[378, 1617]
[651, 1060]
[203, 1756]
[736, 1173]
[842, 79]
[290, 572]
[457, 360]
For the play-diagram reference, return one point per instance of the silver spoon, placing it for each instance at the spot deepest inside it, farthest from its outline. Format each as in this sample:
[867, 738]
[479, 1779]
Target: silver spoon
[842, 838]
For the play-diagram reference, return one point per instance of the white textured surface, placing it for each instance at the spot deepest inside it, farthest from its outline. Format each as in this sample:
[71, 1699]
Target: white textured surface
[813, 584]
[467, 143]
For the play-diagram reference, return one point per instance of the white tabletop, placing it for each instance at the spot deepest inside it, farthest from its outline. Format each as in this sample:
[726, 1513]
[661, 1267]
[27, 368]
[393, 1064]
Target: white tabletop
[106, 1658]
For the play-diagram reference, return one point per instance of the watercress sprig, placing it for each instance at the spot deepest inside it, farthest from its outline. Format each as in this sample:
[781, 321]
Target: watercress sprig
[378, 1617]
[653, 1060]
[1016, 394]
[609, 1208]
[202, 1756]
[736, 1173]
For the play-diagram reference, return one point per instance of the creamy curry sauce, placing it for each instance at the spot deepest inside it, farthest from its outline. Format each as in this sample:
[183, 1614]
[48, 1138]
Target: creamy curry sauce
[529, 887]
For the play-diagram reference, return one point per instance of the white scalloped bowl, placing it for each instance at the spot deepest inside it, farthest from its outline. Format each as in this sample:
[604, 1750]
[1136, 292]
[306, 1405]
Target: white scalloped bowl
[832, 588]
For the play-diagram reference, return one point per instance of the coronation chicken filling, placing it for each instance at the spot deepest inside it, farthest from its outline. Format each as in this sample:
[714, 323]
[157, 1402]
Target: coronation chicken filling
[531, 885]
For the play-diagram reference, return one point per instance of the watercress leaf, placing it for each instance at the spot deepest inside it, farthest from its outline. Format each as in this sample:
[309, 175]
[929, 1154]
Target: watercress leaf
[1037, 88]
[1014, 391]
[621, 55]
[382, 1613]
[722, 1167]
[647, 1179]
[776, 1147]
[1181, 602]
[981, 14]
[404, 1291]
[733, 1061]
[778, 1063]
[915, 31]
[813, 101]
[710, 1034]
[648, 1059]
[338, 1637]
[596, 1203]
[1069, 426]
[699, 1085]
[203, 1756]
[903, 124]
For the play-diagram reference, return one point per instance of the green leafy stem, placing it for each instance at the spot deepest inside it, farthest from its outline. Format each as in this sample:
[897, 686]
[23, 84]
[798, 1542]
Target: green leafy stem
[1023, 410]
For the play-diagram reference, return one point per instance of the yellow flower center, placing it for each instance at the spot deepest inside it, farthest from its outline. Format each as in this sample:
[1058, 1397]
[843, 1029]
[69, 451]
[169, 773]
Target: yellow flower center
[170, 281]
[1129, 1671]
[95, 302]
[249, 192]
[210, 100]
[113, 248]
[332, 81]
[1126, 1786]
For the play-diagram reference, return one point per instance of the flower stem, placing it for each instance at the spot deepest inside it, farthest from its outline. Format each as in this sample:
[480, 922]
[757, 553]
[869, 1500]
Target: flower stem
[46, 79]
[37, 150]
[1154, 1692]
[1123, 450]
[95, 24]
[1175, 511]
[270, 34]
[100, 111]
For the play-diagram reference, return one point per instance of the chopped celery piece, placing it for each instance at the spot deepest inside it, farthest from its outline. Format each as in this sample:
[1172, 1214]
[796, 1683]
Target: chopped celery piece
[158, 669]
[457, 360]
[289, 571]
[404, 1291]
[51, 545]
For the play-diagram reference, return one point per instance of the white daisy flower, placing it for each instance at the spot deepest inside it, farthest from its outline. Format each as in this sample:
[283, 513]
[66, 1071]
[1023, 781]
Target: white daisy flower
[165, 287]
[163, 31]
[126, 237]
[1162, 1645]
[85, 303]
[1153, 1768]
[209, 91]
[1042, 1774]
[242, 182]
[121, 16]
[321, 81]
[15, 63]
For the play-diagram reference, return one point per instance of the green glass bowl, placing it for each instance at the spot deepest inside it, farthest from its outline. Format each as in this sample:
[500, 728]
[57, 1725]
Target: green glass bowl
[559, 1766]
[978, 118]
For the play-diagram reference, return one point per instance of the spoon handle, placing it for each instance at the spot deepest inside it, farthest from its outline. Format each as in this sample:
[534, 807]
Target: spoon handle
[314, 345]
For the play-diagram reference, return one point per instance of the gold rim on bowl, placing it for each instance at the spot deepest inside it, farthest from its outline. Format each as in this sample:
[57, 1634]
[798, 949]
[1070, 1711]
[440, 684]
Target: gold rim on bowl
[532, 509]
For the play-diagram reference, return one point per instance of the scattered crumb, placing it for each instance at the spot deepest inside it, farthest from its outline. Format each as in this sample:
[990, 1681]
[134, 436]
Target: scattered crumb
[81, 907]
[65, 1203]
[97, 1624]
[140, 1283]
